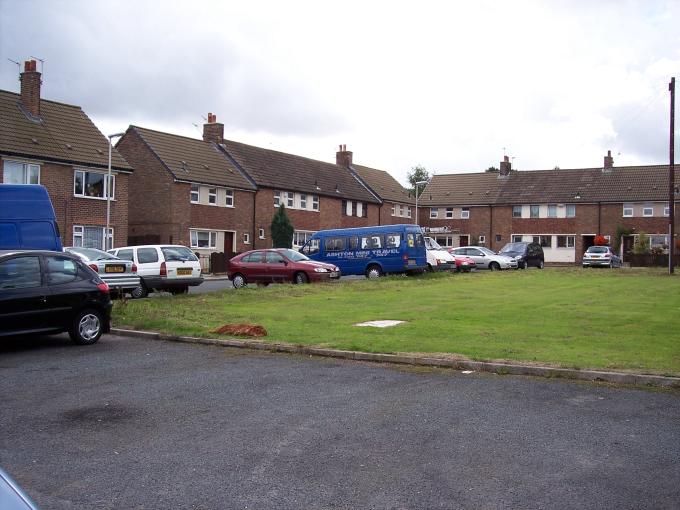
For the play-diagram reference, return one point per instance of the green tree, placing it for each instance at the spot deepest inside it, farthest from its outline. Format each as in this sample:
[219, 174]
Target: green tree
[282, 229]
[491, 169]
[641, 245]
[417, 174]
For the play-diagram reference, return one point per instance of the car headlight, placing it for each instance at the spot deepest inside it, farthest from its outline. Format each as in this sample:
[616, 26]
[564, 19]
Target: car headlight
[517, 257]
[320, 270]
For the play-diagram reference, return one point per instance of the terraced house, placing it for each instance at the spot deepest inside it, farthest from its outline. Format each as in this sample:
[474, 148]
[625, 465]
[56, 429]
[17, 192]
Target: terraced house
[562, 209]
[58, 146]
[218, 195]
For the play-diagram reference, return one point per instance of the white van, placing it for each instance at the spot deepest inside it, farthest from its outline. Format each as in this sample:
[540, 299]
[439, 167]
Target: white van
[162, 267]
[438, 259]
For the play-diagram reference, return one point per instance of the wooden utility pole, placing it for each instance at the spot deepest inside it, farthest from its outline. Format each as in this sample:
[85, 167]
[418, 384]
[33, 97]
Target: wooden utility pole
[671, 183]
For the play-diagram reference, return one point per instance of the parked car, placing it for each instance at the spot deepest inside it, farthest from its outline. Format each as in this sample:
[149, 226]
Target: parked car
[438, 259]
[51, 292]
[12, 497]
[278, 265]
[162, 267]
[121, 275]
[601, 256]
[485, 258]
[526, 254]
[464, 264]
[27, 219]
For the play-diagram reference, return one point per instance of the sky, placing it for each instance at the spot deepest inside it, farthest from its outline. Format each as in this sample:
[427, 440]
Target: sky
[452, 85]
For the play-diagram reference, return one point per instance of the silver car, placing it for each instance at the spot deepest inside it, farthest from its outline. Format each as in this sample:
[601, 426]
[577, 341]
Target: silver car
[600, 256]
[485, 258]
[121, 275]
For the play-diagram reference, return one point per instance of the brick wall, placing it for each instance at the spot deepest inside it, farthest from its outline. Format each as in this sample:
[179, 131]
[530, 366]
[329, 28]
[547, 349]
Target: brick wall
[71, 210]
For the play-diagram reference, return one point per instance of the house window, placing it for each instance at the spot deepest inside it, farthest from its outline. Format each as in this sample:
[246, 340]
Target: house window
[361, 209]
[648, 210]
[395, 208]
[627, 210]
[434, 212]
[315, 202]
[21, 173]
[355, 211]
[658, 241]
[545, 241]
[92, 237]
[516, 239]
[92, 184]
[666, 210]
[534, 211]
[408, 212]
[344, 208]
[565, 241]
[195, 193]
[465, 213]
[277, 198]
[203, 239]
[499, 238]
[449, 212]
[246, 238]
[571, 210]
[516, 211]
[300, 237]
[290, 199]
[482, 239]
[303, 201]
[261, 233]
[212, 196]
[229, 197]
[552, 211]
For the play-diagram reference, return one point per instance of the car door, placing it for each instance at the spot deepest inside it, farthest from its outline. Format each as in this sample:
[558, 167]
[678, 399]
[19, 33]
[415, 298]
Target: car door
[69, 286]
[254, 267]
[23, 296]
[478, 256]
[278, 268]
[148, 262]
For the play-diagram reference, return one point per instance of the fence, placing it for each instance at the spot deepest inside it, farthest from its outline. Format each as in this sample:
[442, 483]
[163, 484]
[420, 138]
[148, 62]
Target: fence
[650, 260]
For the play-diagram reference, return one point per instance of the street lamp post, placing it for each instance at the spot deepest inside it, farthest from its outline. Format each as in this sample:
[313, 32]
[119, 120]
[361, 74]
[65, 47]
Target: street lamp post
[108, 193]
[418, 183]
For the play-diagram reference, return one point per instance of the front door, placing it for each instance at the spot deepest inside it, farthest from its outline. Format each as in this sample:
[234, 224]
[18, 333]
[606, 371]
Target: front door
[628, 242]
[464, 240]
[228, 245]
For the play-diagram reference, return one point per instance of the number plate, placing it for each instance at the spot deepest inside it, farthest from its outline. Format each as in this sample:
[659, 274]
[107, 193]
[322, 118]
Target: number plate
[411, 262]
[184, 271]
[114, 269]
[334, 274]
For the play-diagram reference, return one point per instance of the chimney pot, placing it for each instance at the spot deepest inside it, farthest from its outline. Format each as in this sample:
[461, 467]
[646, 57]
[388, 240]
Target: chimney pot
[213, 131]
[343, 157]
[30, 88]
[505, 167]
[608, 161]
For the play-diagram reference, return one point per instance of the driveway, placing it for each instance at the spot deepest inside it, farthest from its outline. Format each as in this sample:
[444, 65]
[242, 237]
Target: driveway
[132, 423]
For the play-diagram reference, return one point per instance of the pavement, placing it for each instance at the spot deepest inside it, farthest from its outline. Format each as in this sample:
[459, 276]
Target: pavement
[136, 423]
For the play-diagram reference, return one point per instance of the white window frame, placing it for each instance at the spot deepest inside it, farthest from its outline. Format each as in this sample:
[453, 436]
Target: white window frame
[229, 197]
[261, 233]
[360, 209]
[303, 200]
[394, 209]
[212, 239]
[552, 210]
[277, 198]
[647, 207]
[666, 210]
[107, 184]
[212, 196]
[465, 213]
[449, 212]
[315, 202]
[79, 236]
[517, 238]
[195, 190]
[434, 213]
[482, 239]
[516, 208]
[302, 235]
[572, 208]
[408, 211]
[627, 210]
[290, 199]
[25, 171]
[246, 238]
[531, 210]
[652, 237]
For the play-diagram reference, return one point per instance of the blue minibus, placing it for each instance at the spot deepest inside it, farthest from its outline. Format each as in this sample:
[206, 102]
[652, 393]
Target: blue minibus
[370, 251]
[27, 219]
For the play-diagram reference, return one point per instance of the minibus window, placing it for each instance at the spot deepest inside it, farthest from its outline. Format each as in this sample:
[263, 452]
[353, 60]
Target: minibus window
[392, 241]
[353, 243]
[334, 244]
[419, 239]
[371, 242]
[311, 247]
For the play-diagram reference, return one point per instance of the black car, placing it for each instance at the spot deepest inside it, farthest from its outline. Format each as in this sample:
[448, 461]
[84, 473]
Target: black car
[51, 292]
[526, 254]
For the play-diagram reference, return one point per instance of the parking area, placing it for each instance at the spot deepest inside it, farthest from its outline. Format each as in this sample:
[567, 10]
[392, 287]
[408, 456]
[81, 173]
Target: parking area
[130, 423]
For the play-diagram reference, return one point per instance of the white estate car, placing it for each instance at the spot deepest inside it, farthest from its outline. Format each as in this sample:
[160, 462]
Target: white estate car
[162, 267]
[438, 259]
[486, 258]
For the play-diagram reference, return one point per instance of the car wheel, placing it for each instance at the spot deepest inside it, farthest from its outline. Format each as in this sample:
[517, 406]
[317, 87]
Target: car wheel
[429, 268]
[373, 271]
[140, 291]
[525, 264]
[239, 281]
[611, 264]
[300, 278]
[494, 266]
[541, 264]
[181, 290]
[87, 327]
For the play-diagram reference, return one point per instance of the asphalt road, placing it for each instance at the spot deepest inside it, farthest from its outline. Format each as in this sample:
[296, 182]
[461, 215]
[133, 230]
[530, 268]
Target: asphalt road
[142, 424]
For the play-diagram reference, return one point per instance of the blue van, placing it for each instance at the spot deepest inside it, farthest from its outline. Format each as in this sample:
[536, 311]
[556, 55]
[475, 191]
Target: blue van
[27, 219]
[370, 251]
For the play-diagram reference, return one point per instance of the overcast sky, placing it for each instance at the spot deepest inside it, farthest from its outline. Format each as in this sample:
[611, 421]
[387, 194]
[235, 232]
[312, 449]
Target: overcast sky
[447, 85]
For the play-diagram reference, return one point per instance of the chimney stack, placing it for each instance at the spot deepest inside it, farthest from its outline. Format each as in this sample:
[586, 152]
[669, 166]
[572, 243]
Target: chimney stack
[213, 131]
[30, 88]
[343, 157]
[608, 161]
[505, 166]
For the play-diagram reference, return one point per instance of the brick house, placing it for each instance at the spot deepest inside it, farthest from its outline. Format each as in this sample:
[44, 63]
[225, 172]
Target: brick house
[397, 205]
[317, 195]
[562, 209]
[58, 146]
[186, 191]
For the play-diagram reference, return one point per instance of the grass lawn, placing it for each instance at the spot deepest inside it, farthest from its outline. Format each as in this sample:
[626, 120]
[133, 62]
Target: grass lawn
[594, 318]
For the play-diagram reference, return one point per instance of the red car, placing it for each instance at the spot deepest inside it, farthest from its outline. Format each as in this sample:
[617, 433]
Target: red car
[278, 265]
[463, 264]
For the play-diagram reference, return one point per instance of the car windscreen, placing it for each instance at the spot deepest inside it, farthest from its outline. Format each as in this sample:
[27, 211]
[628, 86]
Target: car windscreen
[293, 255]
[487, 251]
[598, 249]
[178, 253]
[93, 254]
[512, 247]
[431, 244]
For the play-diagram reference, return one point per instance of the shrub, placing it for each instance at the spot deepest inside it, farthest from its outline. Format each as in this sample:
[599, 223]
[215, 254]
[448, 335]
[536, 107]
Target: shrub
[600, 240]
[641, 245]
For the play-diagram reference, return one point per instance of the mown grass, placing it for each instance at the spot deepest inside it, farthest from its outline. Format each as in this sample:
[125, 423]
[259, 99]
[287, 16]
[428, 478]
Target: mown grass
[620, 319]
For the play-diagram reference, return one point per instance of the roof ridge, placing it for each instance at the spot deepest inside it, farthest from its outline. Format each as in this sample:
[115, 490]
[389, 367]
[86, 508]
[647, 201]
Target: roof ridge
[43, 100]
[284, 153]
[169, 134]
